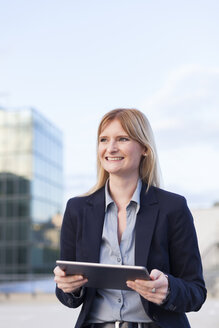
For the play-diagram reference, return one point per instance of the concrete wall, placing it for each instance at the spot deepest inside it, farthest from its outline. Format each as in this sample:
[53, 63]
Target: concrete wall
[207, 227]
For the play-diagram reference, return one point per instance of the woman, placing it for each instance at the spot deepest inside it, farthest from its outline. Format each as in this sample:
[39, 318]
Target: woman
[126, 219]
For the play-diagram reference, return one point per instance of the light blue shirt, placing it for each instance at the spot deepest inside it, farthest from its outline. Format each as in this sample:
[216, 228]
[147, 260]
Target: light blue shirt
[110, 304]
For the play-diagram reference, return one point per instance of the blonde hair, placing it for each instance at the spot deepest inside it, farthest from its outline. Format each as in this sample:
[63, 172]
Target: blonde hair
[138, 128]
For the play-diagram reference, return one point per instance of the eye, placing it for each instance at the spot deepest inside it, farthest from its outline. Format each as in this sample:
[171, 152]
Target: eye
[123, 139]
[102, 139]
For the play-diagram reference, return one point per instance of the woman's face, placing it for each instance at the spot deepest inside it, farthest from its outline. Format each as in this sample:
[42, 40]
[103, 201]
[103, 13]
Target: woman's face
[118, 153]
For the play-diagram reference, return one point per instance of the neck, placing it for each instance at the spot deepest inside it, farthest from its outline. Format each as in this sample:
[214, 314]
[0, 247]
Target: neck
[121, 190]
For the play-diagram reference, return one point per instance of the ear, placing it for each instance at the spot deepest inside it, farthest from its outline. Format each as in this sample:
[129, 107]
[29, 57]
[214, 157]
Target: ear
[145, 151]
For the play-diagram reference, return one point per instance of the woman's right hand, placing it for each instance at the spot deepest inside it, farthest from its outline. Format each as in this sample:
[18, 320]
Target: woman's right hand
[69, 284]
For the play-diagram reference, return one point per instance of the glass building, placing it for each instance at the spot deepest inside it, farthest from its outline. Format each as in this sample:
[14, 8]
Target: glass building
[31, 192]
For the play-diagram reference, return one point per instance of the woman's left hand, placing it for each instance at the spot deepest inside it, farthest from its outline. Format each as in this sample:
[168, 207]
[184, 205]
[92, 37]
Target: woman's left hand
[154, 290]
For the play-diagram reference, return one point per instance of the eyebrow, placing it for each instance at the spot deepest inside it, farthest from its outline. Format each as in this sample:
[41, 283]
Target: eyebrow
[119, 136]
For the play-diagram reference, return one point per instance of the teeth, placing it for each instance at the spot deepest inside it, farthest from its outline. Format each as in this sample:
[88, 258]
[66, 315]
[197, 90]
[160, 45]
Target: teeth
[114, 158]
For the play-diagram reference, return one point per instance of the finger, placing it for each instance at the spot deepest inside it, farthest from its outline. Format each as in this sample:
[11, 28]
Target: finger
[155, 274]
[148, 289]
[139, 287]
[71, 287]
[161, 282]
[75, 284]
[59, 272]
[147, 293]
[160, 285]
[68, 279]
[145, 284]
[73, 278]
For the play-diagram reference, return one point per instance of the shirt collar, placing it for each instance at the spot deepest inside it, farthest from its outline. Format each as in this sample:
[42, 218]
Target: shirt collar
[135, 197]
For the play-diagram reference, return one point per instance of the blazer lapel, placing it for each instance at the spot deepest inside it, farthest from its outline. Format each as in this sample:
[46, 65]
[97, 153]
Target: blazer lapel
[93, 226]
[145, 224]
[94, 219]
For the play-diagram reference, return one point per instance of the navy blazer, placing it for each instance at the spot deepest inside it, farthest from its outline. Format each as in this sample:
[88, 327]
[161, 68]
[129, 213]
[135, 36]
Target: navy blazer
[165, 240]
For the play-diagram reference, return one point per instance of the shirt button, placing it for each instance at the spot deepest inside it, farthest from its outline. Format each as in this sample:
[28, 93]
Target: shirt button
[118, 259]
[119, 300]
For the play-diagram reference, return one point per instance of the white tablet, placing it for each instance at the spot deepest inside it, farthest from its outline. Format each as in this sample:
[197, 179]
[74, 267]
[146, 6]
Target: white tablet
[105, 276]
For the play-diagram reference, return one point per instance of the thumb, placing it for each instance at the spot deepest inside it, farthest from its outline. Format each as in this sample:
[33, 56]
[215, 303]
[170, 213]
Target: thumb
[155, 274]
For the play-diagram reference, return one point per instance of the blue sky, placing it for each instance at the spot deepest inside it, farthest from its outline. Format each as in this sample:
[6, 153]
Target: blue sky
[75, 60]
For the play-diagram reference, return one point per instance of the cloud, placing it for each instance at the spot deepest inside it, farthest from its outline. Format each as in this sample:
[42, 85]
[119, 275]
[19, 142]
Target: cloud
[184, 115]
[186, 109]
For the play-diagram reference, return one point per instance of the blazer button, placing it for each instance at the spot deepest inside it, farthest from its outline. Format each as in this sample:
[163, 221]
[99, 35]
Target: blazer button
[172, 307]
[69, 301]
[155, 318]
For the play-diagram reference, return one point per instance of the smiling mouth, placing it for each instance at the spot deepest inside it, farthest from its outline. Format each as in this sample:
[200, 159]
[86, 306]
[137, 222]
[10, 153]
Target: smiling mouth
[114, 158]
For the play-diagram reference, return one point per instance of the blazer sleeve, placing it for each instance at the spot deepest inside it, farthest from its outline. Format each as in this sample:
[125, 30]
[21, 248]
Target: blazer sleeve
[187, 286]
[68, 251]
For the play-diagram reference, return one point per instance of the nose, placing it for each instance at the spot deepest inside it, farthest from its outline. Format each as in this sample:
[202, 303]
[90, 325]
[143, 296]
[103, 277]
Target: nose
[112, 146]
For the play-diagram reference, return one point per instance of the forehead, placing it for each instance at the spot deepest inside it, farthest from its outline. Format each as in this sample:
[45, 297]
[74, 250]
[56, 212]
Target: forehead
[113, 126]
